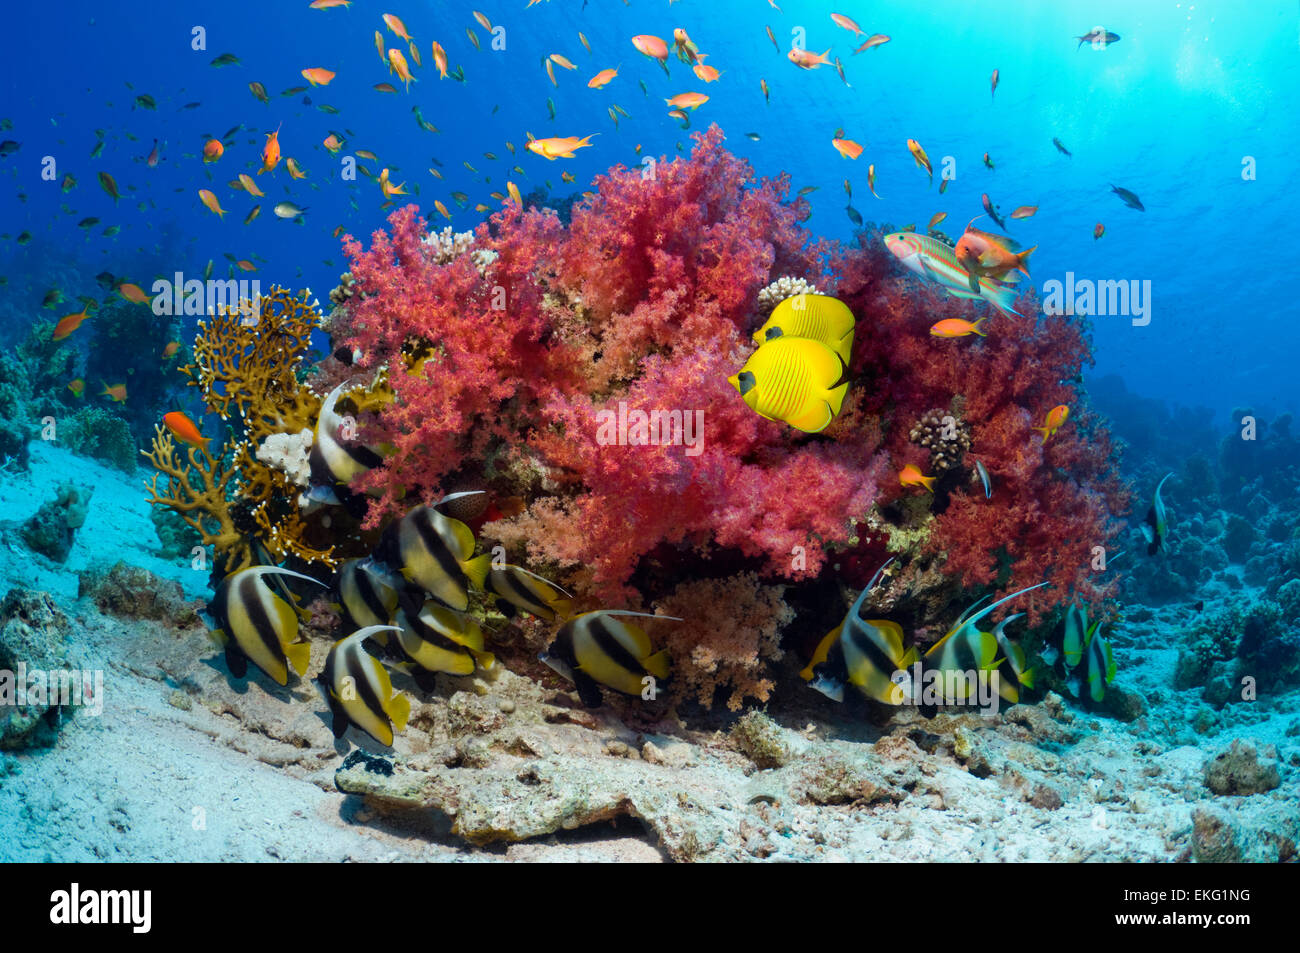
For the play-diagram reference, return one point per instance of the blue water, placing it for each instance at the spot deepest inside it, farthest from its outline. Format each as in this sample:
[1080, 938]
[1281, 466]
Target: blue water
[1170, 111]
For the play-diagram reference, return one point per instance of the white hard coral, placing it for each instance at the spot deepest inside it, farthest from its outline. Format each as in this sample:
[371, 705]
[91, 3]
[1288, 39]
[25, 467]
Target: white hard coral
[784, 287]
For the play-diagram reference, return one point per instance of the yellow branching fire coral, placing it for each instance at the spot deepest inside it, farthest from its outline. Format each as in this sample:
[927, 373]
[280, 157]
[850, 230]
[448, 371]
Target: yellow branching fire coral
[248, 369]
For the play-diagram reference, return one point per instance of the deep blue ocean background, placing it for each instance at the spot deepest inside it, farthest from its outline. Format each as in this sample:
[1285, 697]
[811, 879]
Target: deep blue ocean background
[1170, 111]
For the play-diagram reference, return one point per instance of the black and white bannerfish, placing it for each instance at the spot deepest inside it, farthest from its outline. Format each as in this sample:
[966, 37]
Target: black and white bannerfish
[335, 458]
[965, 648]
[1157, 522]
[521, 589]
[436, 553]
[256, 625]
[1012, 671]
[437, 639]
[262, 557]
[1098, 665]
[600, 648]
[865, 653]
[359, 690]
[367, 593]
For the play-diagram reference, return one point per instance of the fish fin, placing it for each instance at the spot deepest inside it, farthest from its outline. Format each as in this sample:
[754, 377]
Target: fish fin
[486, 660]
[477, 569]
[910, 658]
[976, 327]
[236, 660]
[974, 281]
[1111, 668]
[657, 664]
[399, 710]
[340, 723]
[1022, 261]
[1027, 678]
[587, 688]
[298, 655]
[988, 650]
[1001, 297]
[563, 609]
[928, 483]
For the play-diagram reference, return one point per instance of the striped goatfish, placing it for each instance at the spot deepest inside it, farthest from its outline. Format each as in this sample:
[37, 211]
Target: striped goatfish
[256, 625]
[933, 260]
[434, 638]
[436, 553]
[359, 690]
[599, 647]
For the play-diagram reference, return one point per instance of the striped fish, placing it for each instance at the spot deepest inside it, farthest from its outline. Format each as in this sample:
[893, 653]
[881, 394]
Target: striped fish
[255, 625]
[528, 591]
[937, 262]
[437, 639]
[819, 317]
[966, 649]
[359, 690]
[1100, 668]
[335, 459]
[599, 648]
[436, 553]
[1011, 667]
[366, 593]
[862, 652]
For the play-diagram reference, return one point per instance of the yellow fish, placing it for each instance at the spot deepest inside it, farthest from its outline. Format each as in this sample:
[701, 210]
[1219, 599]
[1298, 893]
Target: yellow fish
[797, 380]
[816, 317]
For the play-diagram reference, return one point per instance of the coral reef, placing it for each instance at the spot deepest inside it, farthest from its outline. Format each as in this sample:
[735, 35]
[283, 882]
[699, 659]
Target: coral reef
[99, 433]
[51, 529]
[34, 638]
[640, 309]
[134, 593]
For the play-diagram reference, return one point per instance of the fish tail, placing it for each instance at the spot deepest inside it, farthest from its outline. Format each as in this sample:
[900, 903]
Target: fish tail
[928, 483]
[1022, 261]
[1001, 297]
[976, 327]
[399, 710]
[477, 569]
[657, 664]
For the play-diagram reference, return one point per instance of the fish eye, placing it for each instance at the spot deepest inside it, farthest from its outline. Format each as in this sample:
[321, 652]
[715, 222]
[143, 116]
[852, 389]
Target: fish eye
[746, 382]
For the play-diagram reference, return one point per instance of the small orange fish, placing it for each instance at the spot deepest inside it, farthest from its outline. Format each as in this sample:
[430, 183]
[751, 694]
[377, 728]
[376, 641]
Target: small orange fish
[957, 328]
[806, 59]
[558, 147]
[871, 179]
[514, 194]
[841, 20]
[397, 26]
[686, 49]
[1098, 230]
[911, 475]
[318, 76]
[245, 265]
[328, 4]
[170, 350]
[690, 101]
[938, 217]
[249, 185]
[78, 387]
[184, 430]
[213, 150]
[919, 156]
[1025, 211]
[388, 188]
[270, 154]
[876, 39]
[602, 79]
[68, 324]
[847, 148]
[134, 293]
[152, 160]
[708, 74]
[332, 143]
[440, 59]
[211, 202]
[442, 209]
[653, 47]
[559, 60]
[397, 64]
[1056, 418]
[294, 171]
[117, 392]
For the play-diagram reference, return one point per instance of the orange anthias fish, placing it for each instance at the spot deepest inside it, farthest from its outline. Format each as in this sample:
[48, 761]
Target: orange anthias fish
[440, 59]
[270, 155]
[68, 324]
[332, 143]
[184, 430]
[911, 475]
[249, 185]
[78, 387]
[388, 188]
[938, 217]
[841, 20]
[847, 148]
[170, 350]
[708, 74]
[1098, 230]
[317, 76]
[957, 328]
[328, 4]
[294, 171]
[213, 150]
[806, 59]
[563, 61]
[133, 293]
[686, 50]
[687, 101]
[653, 47]
[985, 255]
[211, 202]
[557, 147]
[876, 39]
[921, 158]
[397, 26]
[1056, 418]
[1025, 211]
[152, 160]
[117, 392]
[602, 79]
